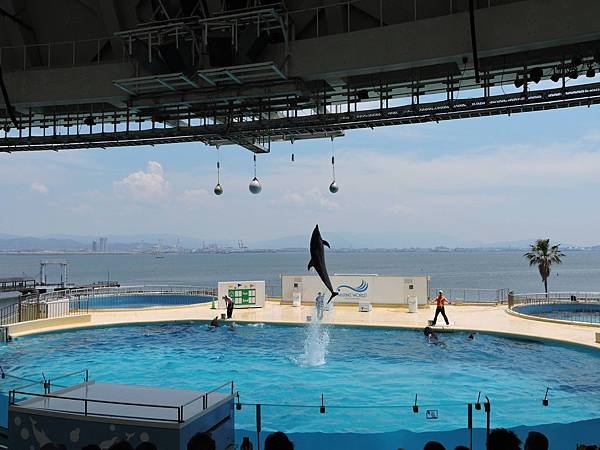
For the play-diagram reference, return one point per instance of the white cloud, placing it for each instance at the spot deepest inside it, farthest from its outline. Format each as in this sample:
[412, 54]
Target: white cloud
[514, 166]
[149, 185]
[195, 197]
[38, 187]
[312, 198]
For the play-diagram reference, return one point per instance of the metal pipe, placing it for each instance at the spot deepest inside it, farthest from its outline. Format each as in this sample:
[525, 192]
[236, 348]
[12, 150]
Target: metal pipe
[258, 425]
[474, 41]
[470, 424]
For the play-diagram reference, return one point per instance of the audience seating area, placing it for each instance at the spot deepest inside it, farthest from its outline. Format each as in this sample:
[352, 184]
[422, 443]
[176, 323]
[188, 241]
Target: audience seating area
[498, 439]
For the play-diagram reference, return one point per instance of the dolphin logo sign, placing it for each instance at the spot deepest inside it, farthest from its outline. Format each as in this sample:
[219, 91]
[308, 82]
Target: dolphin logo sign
[362, 287]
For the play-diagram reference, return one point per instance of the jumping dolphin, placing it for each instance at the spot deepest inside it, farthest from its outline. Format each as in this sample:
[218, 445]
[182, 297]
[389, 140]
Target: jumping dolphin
[317, 259]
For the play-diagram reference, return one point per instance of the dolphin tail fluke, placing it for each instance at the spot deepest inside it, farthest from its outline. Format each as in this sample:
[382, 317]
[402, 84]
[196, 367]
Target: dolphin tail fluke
[326, 244]
[310, 264]
[333, 294]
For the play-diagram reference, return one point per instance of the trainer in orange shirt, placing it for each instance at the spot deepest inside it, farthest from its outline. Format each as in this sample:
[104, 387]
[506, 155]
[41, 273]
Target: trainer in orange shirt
[440, 300]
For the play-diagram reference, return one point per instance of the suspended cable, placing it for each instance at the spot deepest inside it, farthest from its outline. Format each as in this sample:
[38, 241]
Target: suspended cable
[333, 187]
[218, 190]
[254, 185]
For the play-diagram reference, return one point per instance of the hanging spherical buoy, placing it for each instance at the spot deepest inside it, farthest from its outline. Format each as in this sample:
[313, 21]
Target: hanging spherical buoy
[292, 157]
[218, 190]
[333, 187]
[255, 186]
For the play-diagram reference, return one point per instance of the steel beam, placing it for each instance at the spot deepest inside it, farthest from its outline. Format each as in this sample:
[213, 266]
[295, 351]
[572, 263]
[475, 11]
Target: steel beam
[318, 125]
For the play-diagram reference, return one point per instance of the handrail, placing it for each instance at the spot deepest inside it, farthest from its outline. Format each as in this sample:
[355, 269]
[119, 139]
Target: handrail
[554, 297]
[180, 408]
[206, 394]
[109, 402]
[121, 290]
[84, 371]
[571, 307]
[471, 294]
[76, 301]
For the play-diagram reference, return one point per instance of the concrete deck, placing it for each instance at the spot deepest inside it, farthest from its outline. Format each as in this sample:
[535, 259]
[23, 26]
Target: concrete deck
[484, 318]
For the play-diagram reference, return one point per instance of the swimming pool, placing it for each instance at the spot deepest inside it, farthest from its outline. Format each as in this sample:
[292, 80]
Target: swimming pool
[369, 377]
[144, 300]
[571, 312]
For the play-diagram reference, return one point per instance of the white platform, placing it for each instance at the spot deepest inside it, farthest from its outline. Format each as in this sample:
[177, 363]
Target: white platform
[103, 401]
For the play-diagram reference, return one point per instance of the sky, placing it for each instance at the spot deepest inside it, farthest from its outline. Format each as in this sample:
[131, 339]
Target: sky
[465, 182]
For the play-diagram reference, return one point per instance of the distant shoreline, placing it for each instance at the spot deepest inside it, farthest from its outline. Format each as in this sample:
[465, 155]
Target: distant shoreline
[282, 250]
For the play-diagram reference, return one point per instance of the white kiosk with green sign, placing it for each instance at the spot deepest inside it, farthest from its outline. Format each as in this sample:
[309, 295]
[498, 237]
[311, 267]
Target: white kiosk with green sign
[245, 294]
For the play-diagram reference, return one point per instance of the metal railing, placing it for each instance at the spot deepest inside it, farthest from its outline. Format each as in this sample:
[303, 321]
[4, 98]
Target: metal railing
[144, 289]
[273, 290]
[77, 301]
[471, 294]
[24, 392]
[63, 54]
[554, 297]
[35, 308]
[118, 47]
[571, 306]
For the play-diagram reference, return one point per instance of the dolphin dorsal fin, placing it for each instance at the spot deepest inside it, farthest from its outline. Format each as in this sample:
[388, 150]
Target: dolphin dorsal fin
[326, 244]
[310, 264]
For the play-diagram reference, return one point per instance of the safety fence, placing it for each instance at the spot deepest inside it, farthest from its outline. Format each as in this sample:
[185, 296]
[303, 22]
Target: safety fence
[70, 302]
[144, 296]
[573, 306]
[63, 54]
[259, 418]
[45, 388]
[36, 308]
[119, 47]
[472, 294]
[354, 419]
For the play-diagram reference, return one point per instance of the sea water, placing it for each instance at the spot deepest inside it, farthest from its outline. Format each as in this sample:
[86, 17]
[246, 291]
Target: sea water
[483, 269]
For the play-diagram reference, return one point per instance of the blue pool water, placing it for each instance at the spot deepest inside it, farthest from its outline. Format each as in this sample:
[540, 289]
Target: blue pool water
[369, 377]
[146, 300]
[572, 311]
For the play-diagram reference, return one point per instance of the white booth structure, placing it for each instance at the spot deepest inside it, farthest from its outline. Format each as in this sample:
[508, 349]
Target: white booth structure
[245, 294]
[357, 289]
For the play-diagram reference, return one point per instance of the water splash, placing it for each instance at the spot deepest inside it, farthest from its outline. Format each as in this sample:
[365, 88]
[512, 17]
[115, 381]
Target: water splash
[316, 343]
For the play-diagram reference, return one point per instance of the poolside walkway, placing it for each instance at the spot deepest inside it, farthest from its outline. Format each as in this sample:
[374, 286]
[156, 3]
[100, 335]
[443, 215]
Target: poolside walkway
[482, 318]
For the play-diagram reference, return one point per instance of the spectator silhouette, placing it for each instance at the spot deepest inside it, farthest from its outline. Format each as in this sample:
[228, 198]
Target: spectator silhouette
[92, 447]
[278, 441]
[121, 445]
[146, 446]
[503, 439]
[461, 447]
[201, 441]
[434, 445]
[536, 441]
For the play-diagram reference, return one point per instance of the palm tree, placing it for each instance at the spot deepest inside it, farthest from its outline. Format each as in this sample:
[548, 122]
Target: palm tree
[542, 255]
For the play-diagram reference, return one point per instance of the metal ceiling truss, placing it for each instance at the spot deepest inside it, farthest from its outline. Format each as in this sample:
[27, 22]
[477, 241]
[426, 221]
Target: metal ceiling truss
[127, 128]
[178, 82]
[197, 30]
